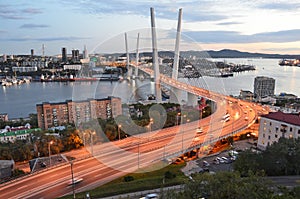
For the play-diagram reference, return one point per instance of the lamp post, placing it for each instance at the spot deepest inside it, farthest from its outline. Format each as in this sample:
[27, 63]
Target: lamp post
[177, 118]
[84, 139]
[73, 184]
[150, 124]
[51, 142]
[119, 129]
[92, 149]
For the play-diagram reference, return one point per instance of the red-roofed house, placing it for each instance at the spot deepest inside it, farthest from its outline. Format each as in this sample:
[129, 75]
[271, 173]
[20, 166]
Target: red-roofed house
[275, 125]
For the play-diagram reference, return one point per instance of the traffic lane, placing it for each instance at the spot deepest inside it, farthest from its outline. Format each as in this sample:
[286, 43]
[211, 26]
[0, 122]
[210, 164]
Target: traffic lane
[42, 180]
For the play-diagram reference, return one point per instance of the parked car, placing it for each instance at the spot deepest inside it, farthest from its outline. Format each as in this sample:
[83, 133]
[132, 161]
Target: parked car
[150, 196]
[205, 163]
[43, 164]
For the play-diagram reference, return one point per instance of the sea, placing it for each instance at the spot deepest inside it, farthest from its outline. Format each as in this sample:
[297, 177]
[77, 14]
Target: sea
[18, 101]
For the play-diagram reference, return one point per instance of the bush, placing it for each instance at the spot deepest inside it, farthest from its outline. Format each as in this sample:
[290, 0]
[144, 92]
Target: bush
[170, 175]
[128, 178]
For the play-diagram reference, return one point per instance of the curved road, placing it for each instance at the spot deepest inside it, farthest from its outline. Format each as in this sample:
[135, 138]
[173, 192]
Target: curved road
[138, 154]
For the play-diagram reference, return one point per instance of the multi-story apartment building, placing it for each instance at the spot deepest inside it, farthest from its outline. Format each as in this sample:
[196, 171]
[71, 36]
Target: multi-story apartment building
[276, 125]
[263, 87]
[76, 112]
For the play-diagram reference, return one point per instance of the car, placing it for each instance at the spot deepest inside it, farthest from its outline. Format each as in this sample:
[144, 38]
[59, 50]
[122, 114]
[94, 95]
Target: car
[199, 130]
[220, 160]
[43, 164]
[150, 196]
[75, 181]
[205, 163]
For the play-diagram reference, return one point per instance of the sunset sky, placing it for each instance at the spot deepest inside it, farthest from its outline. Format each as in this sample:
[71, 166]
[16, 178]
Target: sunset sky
[265, 26]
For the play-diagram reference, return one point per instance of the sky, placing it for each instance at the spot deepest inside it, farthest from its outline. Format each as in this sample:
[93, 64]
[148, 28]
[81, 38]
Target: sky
[264, 26]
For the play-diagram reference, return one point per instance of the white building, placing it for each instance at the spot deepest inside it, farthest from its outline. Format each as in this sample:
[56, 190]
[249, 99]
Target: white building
[275, 125]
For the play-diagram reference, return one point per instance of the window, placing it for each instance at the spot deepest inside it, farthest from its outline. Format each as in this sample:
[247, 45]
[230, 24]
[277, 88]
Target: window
[269, 137]
[270, 123]
[263, 135]
[291, 129]
[276, 136]
[298, 131]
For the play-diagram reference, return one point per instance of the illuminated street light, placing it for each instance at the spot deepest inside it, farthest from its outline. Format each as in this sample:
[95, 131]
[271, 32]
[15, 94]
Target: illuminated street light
[51, 142]
[150, 124]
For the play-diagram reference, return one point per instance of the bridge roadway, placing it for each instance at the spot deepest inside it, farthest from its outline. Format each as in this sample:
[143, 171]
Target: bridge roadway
[138, 153]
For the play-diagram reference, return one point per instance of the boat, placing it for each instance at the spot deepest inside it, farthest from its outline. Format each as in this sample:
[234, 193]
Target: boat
[151, 97]
[165, 92]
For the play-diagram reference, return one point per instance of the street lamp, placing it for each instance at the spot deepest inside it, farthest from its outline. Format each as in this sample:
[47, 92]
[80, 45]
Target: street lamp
[51, 142]
[73, 184]
[177, 118]
[91, 134]
[84, 139]
[150, 124]
[119, 128]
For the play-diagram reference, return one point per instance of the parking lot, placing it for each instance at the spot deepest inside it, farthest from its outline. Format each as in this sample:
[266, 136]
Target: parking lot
[200, 165]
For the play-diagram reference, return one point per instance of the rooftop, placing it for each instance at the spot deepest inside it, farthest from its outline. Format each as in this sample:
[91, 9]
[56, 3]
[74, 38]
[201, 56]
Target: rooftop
[289, 118]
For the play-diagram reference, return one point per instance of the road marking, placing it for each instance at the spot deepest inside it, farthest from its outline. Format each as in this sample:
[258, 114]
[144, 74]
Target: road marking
[22, 187]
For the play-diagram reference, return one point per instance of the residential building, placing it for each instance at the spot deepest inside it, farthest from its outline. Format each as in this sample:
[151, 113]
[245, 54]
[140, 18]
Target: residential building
[75, 55]
[76, 112]
[263, 86]
[276, 125]
[246, 95]
[64, 57]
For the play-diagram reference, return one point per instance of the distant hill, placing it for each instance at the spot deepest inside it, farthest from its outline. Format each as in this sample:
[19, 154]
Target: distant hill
[225, 53]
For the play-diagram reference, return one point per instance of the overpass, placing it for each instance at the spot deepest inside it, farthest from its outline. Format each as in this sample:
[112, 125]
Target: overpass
[139, 153]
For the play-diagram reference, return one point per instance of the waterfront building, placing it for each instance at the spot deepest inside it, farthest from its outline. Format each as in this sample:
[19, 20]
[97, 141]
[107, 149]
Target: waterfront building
[4, 117]
[76, 112]
[276, 125]
[23, 69]
[72, 66]
[263, 87]
[246, 95]
[75, 55]
[64, 57]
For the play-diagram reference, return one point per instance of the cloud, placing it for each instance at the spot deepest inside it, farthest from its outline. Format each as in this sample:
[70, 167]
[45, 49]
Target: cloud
[228, 23]
[280, 6]
[31, 11]
[281, 49]
[29, 26]
[163, 9]
[46, 39]
[15, 13]
[236, 37]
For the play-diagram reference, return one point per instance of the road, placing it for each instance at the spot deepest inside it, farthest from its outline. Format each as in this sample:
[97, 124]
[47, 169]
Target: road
[115, 159]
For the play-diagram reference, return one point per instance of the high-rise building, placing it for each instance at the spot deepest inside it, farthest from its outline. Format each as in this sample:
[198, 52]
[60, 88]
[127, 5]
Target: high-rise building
[263, 87]
[64, 57]
[85, 54]
[32, 52]
[75, 55]
[76, 112]
[275, 125]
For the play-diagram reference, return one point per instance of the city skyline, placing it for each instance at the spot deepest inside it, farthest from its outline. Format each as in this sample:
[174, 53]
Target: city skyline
[261, 26]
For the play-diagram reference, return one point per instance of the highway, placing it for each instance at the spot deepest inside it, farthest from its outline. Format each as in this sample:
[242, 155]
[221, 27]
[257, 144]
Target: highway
[139, 153]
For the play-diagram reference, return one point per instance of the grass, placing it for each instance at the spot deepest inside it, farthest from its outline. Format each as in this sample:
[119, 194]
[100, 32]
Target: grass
[141, 181]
